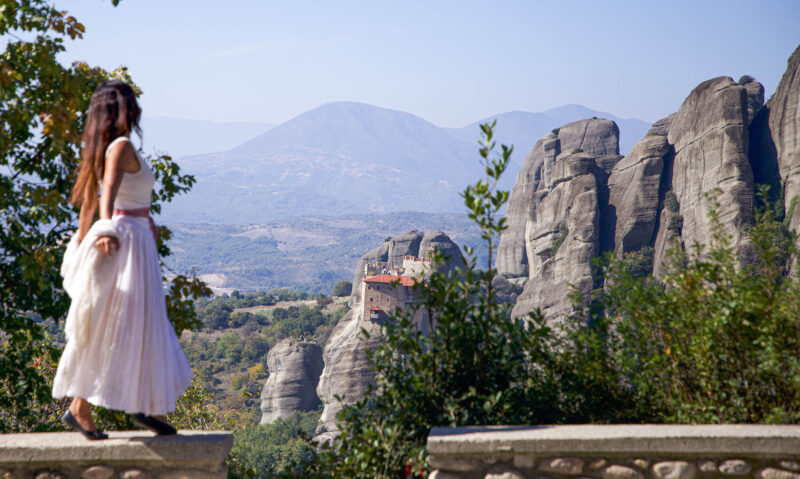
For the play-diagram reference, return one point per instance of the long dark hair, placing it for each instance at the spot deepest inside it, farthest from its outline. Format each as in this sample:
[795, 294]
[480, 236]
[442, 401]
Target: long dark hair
[113, 112]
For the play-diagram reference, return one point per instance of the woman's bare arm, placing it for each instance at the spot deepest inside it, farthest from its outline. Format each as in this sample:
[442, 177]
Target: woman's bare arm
[86, 216]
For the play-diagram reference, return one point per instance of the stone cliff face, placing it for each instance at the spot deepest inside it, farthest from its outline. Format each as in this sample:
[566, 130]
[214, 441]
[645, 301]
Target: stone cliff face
[294, 369]
[348, 372]
[775, 139]
[554, 214]
[575, 198]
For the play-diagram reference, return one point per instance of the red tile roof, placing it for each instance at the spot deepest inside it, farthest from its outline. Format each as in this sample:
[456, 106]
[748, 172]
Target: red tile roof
[388, 278]
[375, 308]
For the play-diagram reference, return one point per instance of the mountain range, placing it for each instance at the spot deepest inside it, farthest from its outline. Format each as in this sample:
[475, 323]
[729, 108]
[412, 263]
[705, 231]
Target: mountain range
[354, 158]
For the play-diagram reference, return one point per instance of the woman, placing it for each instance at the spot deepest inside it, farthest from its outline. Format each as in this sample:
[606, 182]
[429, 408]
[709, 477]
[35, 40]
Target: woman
[121, 351]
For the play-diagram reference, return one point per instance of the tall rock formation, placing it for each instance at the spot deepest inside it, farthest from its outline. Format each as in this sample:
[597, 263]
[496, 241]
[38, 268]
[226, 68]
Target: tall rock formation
[294, 370]
[575, 198]
[709, 135]
[594, 137]
[775, 140]
[555, 214]
[348, 372]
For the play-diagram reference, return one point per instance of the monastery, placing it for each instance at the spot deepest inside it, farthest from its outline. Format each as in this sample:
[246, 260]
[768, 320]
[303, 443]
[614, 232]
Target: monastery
[386, 288]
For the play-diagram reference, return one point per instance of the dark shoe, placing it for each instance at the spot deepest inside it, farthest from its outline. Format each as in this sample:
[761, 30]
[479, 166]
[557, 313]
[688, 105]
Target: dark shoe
[149, 422]
[70, 421]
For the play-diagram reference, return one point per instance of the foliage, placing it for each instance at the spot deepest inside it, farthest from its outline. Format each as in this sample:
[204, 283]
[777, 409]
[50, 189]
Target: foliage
[260, 450]
[709, 343]
[559, 240]
[675, 224]
[41, 113]
[342, 288]
[745, 79]
[639, 264]
[671, 201]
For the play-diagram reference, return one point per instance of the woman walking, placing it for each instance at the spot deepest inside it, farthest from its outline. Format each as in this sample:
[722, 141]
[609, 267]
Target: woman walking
[121, 352]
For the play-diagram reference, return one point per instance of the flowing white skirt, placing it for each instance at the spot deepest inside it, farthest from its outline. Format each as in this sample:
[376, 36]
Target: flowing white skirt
[132, 360]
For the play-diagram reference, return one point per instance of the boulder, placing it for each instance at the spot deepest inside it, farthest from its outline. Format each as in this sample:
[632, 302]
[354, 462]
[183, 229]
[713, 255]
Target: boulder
[294, 370]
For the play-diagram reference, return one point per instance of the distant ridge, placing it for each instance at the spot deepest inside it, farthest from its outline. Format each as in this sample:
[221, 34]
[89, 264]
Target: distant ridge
[352, 158]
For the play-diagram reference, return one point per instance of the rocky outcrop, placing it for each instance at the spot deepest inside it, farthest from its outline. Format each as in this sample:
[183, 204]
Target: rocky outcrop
[576, 199]
[634, 186]
[594, 137]
[710, 138]
[348, 372]
[562, 231]
[294, 370]
[775, 140]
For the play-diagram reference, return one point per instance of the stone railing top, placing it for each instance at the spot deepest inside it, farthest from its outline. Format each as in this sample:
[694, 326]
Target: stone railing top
[195, 449]
[741, 440]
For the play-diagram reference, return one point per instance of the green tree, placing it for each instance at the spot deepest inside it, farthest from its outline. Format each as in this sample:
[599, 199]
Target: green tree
[342, 288]
[42, 105]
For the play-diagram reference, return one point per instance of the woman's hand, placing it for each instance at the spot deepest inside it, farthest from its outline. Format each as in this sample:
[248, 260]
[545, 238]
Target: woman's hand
[107, 245]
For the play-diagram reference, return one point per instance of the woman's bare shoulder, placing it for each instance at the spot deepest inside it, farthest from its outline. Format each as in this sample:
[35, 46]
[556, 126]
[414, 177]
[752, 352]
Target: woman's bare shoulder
[122, 154]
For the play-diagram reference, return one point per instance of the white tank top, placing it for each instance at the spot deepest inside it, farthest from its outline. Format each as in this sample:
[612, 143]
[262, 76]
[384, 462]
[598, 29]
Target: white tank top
[135, 189]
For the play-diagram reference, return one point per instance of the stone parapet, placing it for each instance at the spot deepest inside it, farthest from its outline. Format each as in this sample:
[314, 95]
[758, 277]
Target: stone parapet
[124, 455]
[616, 452]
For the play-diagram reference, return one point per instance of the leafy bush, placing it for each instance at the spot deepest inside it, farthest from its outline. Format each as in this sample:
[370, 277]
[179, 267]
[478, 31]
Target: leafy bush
[671, 202]
[342, 288]
[745, 79]
[709, 344]
[559, 240]
[675, 224]
[260, 450]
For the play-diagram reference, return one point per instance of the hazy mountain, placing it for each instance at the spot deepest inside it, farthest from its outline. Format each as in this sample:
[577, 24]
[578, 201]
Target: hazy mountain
[353, 158]
[182, 137]
[339, 158]
[522, 128]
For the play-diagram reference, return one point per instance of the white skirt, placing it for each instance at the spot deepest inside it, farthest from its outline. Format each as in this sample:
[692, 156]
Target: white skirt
[132, 360]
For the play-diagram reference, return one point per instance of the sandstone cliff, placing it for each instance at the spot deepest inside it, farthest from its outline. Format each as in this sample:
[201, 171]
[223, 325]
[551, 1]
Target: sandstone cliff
[554, 214]
[348, 372]
[576, 199]
[294, 369]
[775, 140]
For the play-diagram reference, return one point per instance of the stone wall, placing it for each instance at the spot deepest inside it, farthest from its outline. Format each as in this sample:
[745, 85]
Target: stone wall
[616, 452]
[125, 455]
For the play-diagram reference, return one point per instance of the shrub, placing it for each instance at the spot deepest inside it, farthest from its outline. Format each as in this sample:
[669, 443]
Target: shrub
[709, 344]
[675, 224]
[559, 240]
[671, 201]
[745, 79]
[342, 288]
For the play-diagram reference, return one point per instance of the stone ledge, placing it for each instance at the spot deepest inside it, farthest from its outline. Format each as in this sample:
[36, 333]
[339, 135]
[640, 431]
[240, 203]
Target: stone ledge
[124, 454]
[700, 440]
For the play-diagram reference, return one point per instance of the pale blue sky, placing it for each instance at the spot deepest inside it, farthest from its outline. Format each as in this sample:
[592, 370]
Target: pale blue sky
[450, 62]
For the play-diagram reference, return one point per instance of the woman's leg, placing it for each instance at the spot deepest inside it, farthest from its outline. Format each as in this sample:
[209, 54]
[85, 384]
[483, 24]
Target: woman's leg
[82, 411]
